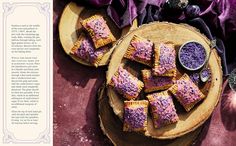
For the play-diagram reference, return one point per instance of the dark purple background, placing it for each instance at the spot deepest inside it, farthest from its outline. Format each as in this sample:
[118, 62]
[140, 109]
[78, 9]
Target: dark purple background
[219, 15]
[75, 103]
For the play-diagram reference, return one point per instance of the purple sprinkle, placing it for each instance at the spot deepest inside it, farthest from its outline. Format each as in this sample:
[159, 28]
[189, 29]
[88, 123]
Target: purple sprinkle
[192, 55]
[195, 77]
[87, 52]
[154, 83]
[166, 60]
[126, 83]
[206, 73]
[164, 110]
[143, 50]
[188, 93]
[135, 118]
[99, 27]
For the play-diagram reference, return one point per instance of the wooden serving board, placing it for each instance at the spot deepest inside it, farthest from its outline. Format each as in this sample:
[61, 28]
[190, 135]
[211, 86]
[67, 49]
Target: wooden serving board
[112, 128]
[70, 27]
[178, 33]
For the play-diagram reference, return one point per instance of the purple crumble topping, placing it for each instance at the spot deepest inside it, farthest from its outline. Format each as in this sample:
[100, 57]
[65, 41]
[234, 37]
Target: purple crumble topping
[154, 83]
[161, 81]
[187, 92]
[206, 73]
[99, 27]
[126, 83]
[164, 110]
[167, 59]
[135, 118]
[192, 55]
[195, 78]
[143, 49]
[87, 51]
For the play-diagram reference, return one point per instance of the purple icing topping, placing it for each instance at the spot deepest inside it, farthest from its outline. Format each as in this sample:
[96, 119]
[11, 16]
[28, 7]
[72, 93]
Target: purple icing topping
[143, 50]
[164, 109]
[135, 118]
[160, 81]
[187, 92]
[87, 52]
[167, 59]
[206, 73]
[155, 82]
[195, 77]
[99, 27]
[192, 55]
[126, 83]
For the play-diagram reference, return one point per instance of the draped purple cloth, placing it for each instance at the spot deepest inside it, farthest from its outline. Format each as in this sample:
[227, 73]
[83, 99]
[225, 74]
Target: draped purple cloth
[219, 15]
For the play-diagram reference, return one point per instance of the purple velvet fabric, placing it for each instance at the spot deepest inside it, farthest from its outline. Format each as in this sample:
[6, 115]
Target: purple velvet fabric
[219, 15]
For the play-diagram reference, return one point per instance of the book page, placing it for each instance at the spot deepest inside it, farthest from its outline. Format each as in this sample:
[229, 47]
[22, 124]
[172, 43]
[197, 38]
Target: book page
[26, 72]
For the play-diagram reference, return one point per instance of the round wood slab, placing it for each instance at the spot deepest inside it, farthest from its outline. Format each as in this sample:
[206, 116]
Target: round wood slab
[112, 128]
[178, 33]
[70, 27]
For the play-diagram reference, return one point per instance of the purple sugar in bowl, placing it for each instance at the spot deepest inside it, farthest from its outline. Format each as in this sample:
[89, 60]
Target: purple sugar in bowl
[192, 55]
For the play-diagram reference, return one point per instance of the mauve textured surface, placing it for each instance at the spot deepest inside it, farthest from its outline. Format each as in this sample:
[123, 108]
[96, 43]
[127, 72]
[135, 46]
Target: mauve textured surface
[220, 129]
[75, 103]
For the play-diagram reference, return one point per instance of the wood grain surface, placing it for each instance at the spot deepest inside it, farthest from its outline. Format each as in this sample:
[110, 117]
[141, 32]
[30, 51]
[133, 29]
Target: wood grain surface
[70, 27]
[177, 33]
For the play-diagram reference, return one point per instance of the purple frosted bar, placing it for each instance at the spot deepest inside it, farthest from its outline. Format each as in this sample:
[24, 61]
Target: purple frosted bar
[135, 115]
[155, 83]
[126, 84]
[162, 109]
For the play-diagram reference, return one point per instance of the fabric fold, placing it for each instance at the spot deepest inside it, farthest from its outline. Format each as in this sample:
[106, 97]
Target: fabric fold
[219, 15]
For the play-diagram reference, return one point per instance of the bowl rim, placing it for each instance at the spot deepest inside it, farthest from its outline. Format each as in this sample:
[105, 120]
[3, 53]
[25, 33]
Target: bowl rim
[192, 69]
